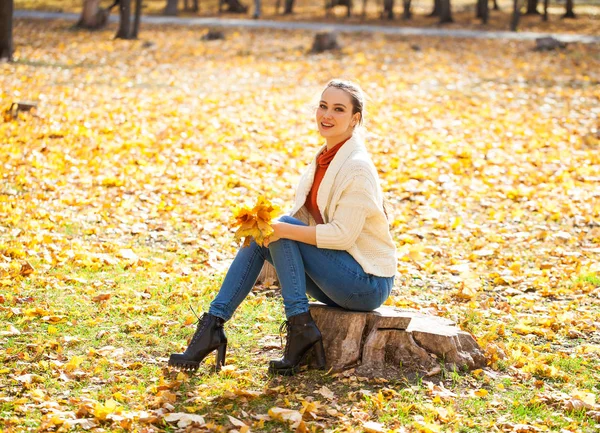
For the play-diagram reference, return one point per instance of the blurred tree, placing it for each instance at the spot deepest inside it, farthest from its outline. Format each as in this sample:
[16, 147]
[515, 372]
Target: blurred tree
[388, 9]
[136, 19]
[514, 23]
[124, 31]
[289, 7]
[171, 8]
[6, 40]
[532, 7]
[92, 15]
[445, 12]
[436, 9]
[406, 13]
[483, 10]
[569, 12]
[127, 29]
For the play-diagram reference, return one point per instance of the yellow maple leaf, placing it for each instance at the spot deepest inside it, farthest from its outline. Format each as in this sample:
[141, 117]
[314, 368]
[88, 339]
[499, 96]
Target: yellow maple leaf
[254, 222]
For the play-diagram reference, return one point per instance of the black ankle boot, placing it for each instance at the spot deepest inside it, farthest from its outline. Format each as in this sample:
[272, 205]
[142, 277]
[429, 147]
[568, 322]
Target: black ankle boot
[302, 335]
[209, 336]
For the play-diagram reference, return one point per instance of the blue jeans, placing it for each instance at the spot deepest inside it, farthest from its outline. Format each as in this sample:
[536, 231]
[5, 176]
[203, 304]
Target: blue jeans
[333, 277]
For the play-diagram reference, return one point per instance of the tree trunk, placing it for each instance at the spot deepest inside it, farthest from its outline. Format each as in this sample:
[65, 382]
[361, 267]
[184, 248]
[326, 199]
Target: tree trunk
[92, 15]
[136, 19]
[514, 23]
[532, 7]
[388, 9]
[6, 40]
[496, 7]
[124, 31]
[483, 11]
[436, 8]
[406, 13]
[545, 16]
[257, 9]
[569, 12]
[445, 12]
[171, 8]
[289, 7]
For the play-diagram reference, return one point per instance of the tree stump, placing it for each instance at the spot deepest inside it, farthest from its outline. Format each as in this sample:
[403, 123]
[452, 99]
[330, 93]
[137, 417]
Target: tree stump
[268, 275]
[213, 35]
[548, 44]
[389, 342]
[326, 41]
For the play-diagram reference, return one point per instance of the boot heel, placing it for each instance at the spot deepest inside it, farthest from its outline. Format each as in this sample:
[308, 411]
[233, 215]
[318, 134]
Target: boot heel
[319, 354]
[221, 351]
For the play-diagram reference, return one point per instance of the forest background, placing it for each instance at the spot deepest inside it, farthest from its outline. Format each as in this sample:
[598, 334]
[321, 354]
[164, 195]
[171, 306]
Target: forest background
[117, 196]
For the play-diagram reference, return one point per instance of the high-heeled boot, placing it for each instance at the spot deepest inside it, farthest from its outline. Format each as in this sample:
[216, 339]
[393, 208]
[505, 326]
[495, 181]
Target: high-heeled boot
[209, 336]
[302, 335]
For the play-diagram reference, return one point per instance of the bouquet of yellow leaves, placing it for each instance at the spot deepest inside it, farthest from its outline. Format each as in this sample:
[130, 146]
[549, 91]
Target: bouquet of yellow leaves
[254, 222]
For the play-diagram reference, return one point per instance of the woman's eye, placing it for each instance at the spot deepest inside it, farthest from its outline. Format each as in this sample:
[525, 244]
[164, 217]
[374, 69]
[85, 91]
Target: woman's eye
[339, 109]
[323, 106]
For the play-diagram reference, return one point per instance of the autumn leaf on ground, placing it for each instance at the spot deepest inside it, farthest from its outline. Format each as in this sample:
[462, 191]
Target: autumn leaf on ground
[293, 417]
[254, 222]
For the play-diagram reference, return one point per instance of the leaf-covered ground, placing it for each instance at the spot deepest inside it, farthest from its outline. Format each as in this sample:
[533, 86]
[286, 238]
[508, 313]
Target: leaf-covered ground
[118, 191]
[463, 13]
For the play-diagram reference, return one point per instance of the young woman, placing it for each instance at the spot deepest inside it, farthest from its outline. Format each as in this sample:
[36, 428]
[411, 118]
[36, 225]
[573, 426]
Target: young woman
[336, 246]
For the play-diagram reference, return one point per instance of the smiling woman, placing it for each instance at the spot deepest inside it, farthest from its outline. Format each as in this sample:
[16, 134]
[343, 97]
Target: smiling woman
[334, 245]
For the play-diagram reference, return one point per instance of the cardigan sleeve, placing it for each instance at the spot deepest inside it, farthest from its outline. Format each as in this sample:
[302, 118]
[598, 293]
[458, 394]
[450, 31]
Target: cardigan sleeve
[356, 203]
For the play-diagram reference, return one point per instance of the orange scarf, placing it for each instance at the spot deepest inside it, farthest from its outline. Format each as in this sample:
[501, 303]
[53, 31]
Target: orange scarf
[323, 161]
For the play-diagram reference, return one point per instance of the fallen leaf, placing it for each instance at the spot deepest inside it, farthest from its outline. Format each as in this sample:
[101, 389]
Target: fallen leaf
[290, 416]
[102, 297]
[184, 420]
[373, 427]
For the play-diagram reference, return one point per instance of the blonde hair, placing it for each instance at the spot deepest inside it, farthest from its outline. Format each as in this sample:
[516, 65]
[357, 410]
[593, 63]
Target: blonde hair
[354, 91]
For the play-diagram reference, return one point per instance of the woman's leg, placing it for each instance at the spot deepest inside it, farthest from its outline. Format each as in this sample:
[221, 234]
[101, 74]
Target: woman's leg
[330, 276]
[315, 291]
[239, 280]
[245, 269]
[335, 278]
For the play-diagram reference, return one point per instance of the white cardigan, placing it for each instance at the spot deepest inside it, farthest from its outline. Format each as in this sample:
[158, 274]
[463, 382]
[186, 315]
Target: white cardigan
[351, 204]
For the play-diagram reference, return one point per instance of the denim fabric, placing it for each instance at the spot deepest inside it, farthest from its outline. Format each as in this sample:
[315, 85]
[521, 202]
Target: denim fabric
[330, 276]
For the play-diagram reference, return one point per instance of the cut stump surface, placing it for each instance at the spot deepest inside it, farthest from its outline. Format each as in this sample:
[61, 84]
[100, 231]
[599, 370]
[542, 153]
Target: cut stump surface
[388, 342]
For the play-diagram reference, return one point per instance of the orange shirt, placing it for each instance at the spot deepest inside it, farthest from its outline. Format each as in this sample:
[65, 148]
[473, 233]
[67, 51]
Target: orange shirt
[323, 161]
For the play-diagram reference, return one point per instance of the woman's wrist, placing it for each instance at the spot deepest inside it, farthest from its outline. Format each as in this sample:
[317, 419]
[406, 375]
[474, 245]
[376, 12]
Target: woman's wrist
[305, 234]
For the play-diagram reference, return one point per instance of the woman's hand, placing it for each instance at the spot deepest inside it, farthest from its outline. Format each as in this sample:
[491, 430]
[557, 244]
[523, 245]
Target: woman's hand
[276, 234]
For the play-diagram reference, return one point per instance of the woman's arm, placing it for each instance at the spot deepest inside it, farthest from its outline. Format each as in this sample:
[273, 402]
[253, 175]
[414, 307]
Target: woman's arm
[305, 234]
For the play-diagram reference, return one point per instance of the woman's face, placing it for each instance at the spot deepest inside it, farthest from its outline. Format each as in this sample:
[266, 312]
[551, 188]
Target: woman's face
[334, 115]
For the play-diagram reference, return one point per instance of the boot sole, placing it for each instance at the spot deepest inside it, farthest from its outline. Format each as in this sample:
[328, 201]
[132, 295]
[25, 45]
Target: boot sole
[185, 365]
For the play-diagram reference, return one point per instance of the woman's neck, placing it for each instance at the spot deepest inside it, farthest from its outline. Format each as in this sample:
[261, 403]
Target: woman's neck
[334, 141]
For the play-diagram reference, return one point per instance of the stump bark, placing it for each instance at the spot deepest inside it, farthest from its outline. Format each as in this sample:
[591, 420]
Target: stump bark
[389, 342]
